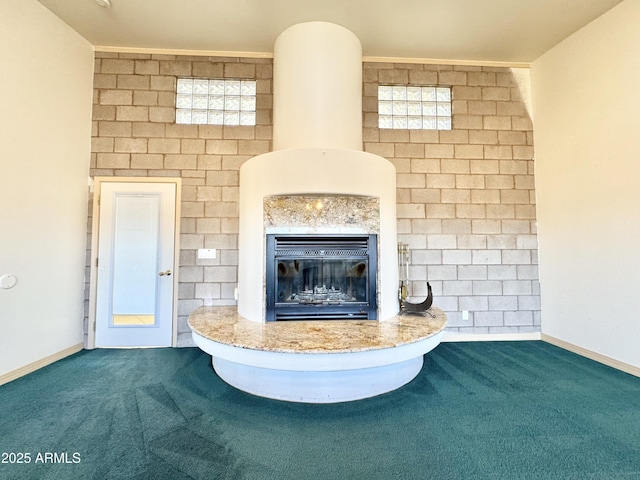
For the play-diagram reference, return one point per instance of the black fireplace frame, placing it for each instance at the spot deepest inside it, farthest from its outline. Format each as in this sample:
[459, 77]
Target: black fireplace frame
[363, 247]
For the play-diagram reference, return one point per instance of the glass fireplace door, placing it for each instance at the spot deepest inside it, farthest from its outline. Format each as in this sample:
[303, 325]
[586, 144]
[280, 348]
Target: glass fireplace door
[302, 281]
[324, 280]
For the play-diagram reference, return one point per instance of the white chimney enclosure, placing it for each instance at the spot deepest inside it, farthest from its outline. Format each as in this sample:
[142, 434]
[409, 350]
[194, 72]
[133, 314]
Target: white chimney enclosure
[317, 142]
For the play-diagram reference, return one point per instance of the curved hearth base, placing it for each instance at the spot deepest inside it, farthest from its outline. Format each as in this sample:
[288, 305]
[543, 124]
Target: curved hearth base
[315, 361]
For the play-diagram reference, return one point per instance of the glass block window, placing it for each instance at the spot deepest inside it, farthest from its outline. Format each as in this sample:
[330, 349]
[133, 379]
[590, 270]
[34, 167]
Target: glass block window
[216, 102]
[414, 108]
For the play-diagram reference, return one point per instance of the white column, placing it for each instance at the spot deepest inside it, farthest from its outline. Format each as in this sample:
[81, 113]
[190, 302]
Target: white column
[317, 88]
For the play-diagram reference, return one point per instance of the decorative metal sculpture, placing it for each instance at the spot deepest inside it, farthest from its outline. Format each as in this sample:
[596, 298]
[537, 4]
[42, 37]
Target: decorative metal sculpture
[408, 308]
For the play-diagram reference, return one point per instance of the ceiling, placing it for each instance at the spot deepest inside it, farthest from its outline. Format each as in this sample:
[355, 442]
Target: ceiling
[514, 31]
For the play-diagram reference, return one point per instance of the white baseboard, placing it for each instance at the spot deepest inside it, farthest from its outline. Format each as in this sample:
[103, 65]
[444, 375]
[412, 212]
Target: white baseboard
[489, 337]
[38, 364]
[611, 362]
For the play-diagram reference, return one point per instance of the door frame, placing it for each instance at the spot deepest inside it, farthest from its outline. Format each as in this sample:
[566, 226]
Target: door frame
[95, 226]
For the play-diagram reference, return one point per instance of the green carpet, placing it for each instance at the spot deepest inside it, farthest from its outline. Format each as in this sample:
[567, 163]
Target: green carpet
[490, 410]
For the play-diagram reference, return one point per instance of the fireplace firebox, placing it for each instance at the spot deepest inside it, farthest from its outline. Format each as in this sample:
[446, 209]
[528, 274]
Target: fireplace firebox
[321, 277]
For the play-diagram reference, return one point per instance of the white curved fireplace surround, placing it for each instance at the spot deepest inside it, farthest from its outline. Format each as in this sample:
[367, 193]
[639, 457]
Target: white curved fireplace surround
[314, 171]
[317, 138]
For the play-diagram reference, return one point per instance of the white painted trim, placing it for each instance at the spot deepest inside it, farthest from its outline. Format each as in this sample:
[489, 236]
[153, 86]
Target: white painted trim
[365, 58]
[93, 274]
[38, 364]
[489, 337]
[445, 61]
[177, 51]
[605, 360]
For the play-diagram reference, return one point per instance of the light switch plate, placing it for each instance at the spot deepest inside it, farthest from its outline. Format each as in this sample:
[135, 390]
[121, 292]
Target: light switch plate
[206, 253]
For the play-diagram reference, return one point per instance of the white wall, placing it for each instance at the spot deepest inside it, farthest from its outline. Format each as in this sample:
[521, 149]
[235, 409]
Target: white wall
[586, 95]
[45, 140]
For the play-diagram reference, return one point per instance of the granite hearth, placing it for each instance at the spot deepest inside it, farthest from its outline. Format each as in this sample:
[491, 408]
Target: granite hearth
[315, 361]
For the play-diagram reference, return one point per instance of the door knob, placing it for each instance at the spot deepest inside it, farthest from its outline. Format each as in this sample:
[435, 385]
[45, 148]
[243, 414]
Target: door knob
[166, 272]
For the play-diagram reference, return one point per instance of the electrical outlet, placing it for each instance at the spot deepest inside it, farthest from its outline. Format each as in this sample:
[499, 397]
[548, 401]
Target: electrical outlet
[465, 314]
[206, 253]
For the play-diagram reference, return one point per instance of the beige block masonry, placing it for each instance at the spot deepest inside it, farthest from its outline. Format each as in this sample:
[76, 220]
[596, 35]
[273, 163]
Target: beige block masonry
[465, 197]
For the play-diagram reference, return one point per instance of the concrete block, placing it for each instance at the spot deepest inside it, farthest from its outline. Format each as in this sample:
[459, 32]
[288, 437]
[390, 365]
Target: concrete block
[116, 97]
[442, 272]
[486, 257]
[410, 210]
[104, 112]
[488, 319]
[475, 303]
[502, 272]
[459, 134]
[425, 226]
[516, 287]
[472, 242]
[162, 114]
[500, 182]
[441, 242]
[441, 211]
[147, 161]
[527, 272]
[409, 150]
[438, 151]
[480, 108]
[220, 274]
[470, 211]
[503, 303]
[410, 180]
[130, 113]
[484, 167]
[498, 211]
[516, 226]
[518, 318]
[456, 225]
[469, 151]
[472, 272]
[487, 287]
[116, 65]
[485, 196]
[496, 122]
[501, 242]
[426, 257]
[426, 195]
[191, 274]
[529, 302]
[448, 195]
[457, 287]
[516, 257]
[479, 226]
[454, 166]
[470, 181]
[467, 122]
[221, 147]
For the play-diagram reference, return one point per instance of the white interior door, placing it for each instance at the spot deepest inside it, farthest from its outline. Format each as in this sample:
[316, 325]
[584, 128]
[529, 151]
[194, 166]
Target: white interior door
[136, 253]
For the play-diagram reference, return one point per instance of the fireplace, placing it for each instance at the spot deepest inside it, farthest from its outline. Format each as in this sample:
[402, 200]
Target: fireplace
[317, 152]
[323, 277]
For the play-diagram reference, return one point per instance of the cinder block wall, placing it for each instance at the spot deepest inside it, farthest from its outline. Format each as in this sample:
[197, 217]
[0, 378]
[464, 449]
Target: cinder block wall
[134, 134]
[465, 197]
